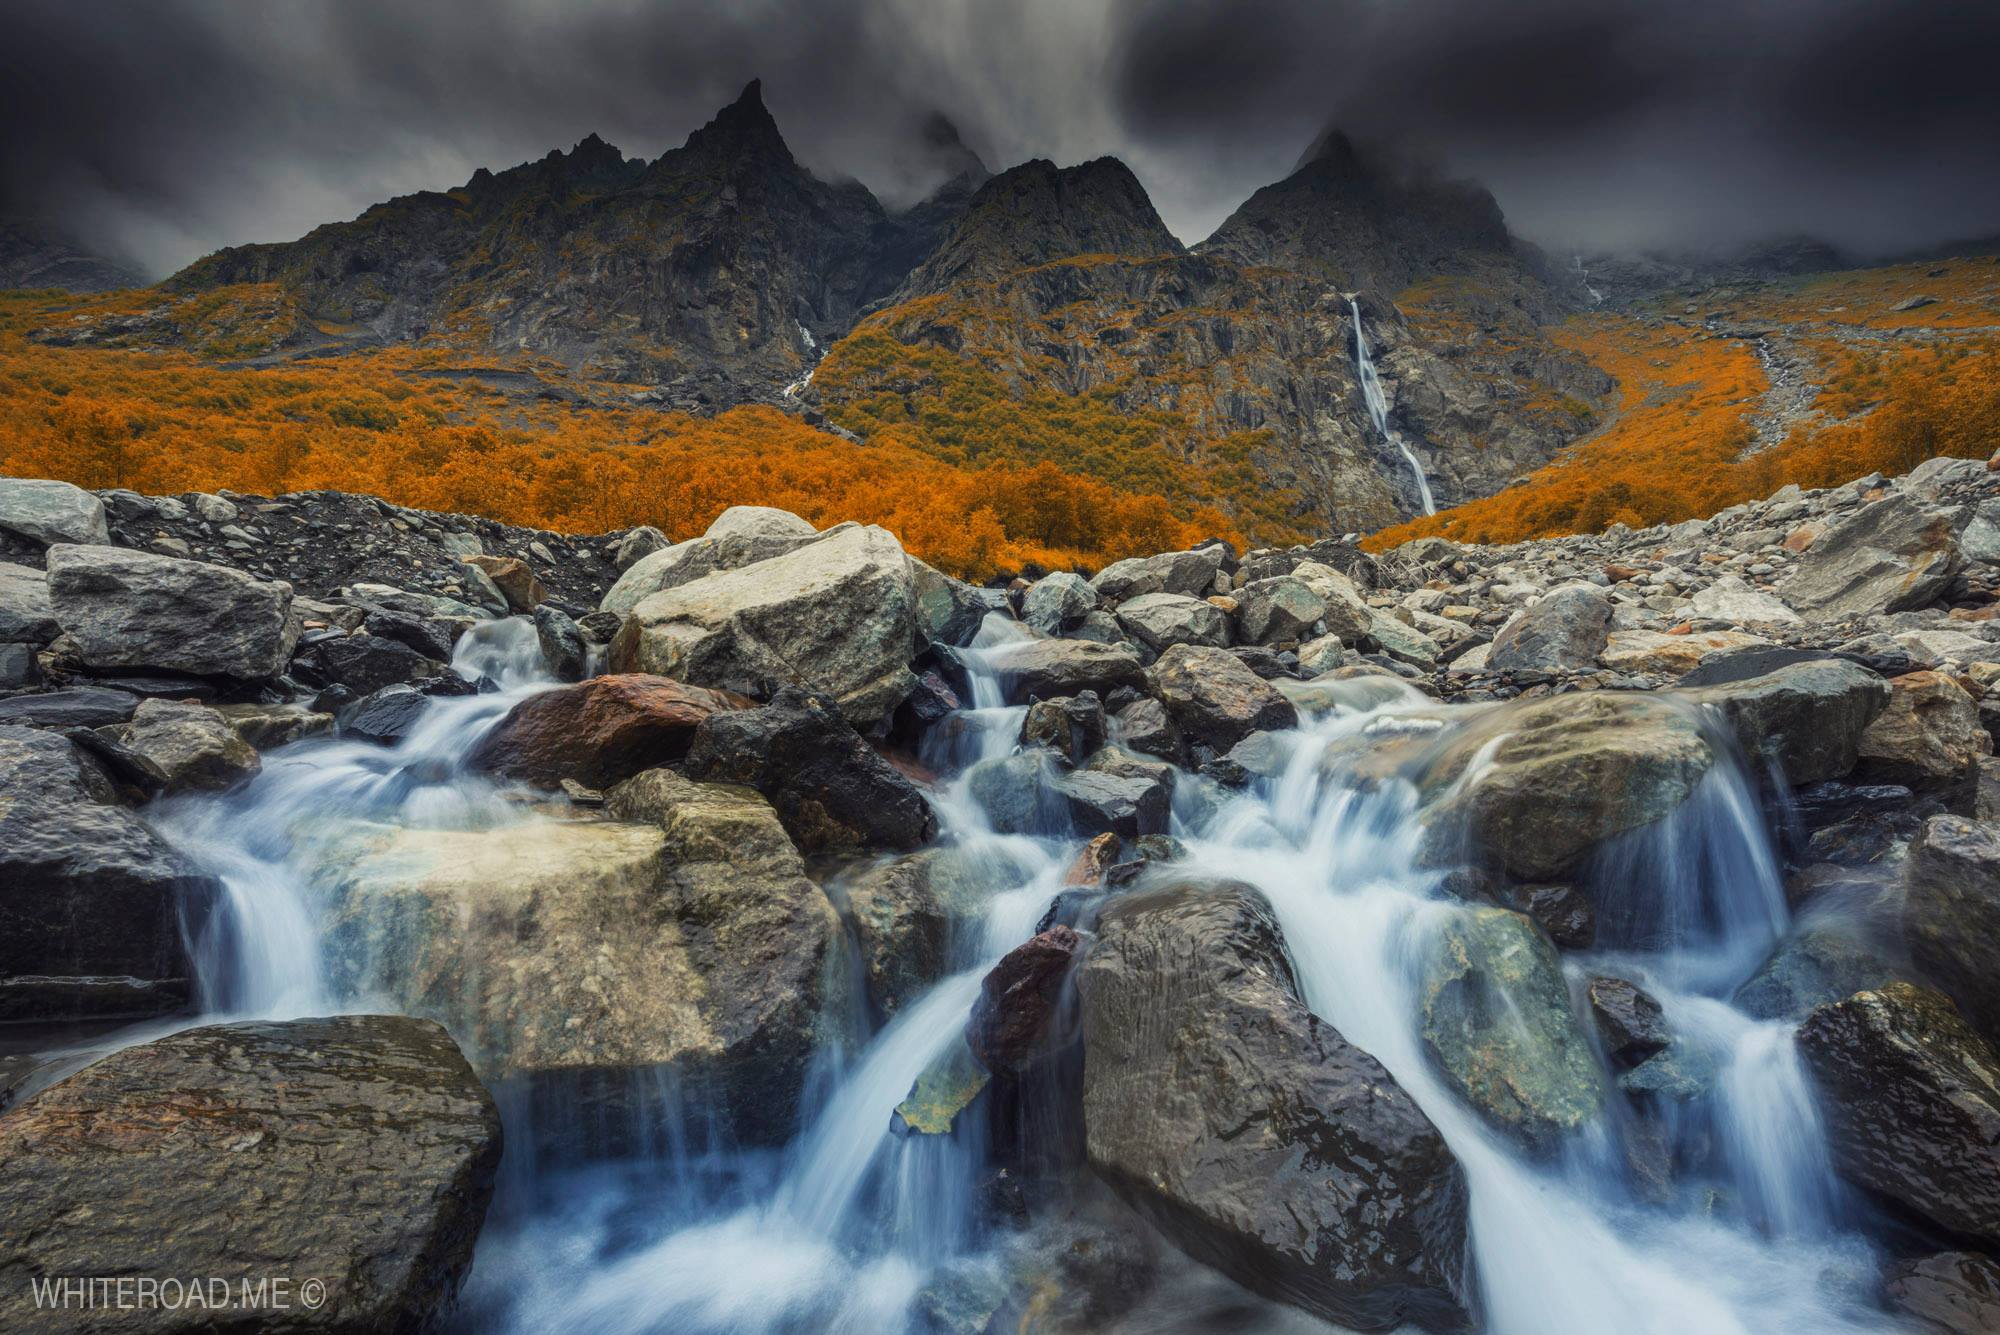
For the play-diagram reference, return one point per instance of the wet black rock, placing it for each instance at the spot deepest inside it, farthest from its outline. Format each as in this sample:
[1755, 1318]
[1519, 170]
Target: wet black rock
[1628, 1019]
[831, 789]
[354, 1155]
[1911, 1098]
[80, 707]
[92, 903]
[384, 717]
[1253, 1135]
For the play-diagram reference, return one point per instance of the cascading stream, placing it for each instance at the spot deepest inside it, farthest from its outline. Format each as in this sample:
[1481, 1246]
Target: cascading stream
[843, 1229]
[1378, 407]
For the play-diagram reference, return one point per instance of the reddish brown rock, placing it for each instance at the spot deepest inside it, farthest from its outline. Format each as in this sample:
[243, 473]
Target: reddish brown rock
[517, 583]
[1019, 1002]
[599, 732]
[1095, 860]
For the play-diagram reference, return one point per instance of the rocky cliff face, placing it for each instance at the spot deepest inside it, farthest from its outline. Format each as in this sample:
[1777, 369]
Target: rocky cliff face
[717, 270]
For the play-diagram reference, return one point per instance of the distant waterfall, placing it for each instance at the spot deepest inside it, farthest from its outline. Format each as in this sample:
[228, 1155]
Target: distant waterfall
[1378, 407]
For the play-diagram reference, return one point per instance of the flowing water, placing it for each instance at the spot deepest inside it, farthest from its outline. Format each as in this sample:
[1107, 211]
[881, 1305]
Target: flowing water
[1378, 407]
[850, 1226]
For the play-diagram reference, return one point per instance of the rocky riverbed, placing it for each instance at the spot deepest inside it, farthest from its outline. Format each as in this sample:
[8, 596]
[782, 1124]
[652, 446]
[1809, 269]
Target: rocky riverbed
[1591, 933]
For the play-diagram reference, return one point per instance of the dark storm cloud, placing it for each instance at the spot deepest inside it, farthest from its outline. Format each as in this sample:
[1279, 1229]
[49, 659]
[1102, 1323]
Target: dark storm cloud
[164, 129]
[1604, 121]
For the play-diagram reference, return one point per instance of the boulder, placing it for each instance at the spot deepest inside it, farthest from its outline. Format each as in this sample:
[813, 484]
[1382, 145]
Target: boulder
[1949, 1293]
[364, 663]
[430, 636]
[1281, 610]
[1565, 773]
[1807, 718]
[1819, 963]
[1911, 1100]
[350, 1159]
[1249, 1131]
[193, 745]
[914, 915]
[1951, 914]
[1128, 804]
[130, 609]
[1015, 1022]
[92, 902]
[1214, 699]
[637, 544]
[26, 615]
[1190, 573]
[1158, 620]
[598, 732]
[1730, 599]
[1041, 669]
[1657, 654]
[742, 535]
[1498, 1026]
[561, 642]
[1928, 736]
[1073, 726]
[51, 512]
[1057, 604]
[949, 611]
[384, 717]
[1628, 1020]
[831, 789]
[511, 575]
[573, 954]
[1890, 556]
[1146, 727]
[837, 615]
[1563, 632]
[79, 707]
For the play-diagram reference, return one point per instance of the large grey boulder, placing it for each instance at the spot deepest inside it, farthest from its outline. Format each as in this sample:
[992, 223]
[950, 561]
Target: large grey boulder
[1564, 631]
[1563, 774]
[1043, 669]
[1280, 610]
[1057, 604]
[51, 512]
[26, 615]
[1808, 718]
[350, 1160]
[918, 915]
[194, 746]
[1214, 699]
[1951, 913]
[1911, 1099]
[742, 535]
[1498, 1024]
[837, 615]
[92, 902]
[1253, 1135]
[684, 935]
[1158, 620]
[1891, 556]
[130, 609]
[950, 611]
[1191, 573]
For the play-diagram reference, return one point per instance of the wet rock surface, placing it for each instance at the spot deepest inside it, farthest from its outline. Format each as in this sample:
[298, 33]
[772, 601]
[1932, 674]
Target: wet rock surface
[1253, 1135]
[356, 1153]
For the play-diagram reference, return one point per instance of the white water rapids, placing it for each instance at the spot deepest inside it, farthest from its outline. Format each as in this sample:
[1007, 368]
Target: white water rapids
[1378, 407]
[850, 1226]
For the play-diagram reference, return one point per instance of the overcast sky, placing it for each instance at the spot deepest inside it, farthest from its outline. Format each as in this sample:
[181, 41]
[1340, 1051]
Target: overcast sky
[164, 129]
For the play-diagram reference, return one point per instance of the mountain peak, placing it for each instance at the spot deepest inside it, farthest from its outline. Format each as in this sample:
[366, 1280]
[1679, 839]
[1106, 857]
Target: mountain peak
[1332, 150]
[1038, 212]
[742, 130]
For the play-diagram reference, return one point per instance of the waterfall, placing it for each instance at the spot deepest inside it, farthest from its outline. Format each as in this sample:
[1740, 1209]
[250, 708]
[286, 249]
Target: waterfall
[1378, 407]
[798, 387]
[844, 1228]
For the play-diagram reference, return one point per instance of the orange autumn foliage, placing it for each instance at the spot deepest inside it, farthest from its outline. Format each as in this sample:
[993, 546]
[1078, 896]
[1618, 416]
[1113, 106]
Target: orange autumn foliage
[1678, 444]
[414, 427]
